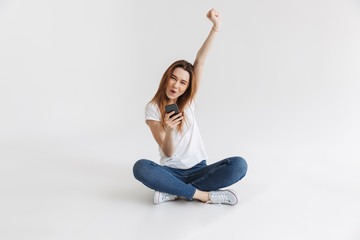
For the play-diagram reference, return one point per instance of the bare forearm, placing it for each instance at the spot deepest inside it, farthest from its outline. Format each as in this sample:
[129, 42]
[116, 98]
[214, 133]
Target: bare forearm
[205, 48]
[214, 17]
[168, 144]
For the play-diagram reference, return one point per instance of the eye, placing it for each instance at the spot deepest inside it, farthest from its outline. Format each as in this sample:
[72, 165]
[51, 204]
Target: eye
[183, 83]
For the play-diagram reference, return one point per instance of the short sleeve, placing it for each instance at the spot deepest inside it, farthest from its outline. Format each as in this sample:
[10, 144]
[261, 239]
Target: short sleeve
[152, 112]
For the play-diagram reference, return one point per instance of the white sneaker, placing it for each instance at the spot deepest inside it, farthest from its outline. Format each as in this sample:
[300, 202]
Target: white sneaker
[160, 197]
[228, 196]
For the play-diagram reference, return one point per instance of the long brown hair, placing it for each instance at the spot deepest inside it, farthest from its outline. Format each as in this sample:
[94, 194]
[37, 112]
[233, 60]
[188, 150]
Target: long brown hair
[186, 98]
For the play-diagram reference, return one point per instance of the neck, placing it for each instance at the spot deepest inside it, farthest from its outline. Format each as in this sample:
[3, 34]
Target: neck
[171, 101]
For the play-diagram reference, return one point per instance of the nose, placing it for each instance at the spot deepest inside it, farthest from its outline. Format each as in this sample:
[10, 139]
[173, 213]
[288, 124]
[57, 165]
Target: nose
[176, 84]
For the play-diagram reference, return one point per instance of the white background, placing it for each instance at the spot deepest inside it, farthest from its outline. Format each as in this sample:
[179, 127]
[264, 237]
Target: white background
[280, 88]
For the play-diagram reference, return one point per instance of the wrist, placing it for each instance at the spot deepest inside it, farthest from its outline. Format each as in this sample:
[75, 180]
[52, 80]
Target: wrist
[169, 130]
[216, 28]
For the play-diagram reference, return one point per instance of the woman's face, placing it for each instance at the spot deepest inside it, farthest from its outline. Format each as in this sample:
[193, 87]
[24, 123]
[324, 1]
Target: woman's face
[177, 84]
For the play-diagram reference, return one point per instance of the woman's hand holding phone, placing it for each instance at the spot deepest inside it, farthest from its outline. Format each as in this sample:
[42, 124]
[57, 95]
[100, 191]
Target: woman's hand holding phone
[171, 122]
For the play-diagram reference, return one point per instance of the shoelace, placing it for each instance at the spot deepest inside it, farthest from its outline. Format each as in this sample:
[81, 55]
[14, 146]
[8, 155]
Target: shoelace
[217, 197]
[168, 197]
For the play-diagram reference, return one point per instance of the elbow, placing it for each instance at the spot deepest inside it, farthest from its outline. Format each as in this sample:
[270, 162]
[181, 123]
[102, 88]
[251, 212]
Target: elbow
[167, 149]
[168, 154]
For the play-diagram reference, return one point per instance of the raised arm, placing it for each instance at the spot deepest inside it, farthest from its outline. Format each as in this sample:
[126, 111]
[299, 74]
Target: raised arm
[202, 54]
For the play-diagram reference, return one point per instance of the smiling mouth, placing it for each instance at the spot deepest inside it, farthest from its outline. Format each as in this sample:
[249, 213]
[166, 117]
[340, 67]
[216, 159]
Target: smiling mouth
[173, 92]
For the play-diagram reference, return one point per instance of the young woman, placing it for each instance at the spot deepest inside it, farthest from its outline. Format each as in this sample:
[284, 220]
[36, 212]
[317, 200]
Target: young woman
[183, 171]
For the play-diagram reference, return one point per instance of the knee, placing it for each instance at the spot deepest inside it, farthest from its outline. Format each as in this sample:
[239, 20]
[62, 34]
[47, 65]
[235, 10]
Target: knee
[139, 168]
[239, 166]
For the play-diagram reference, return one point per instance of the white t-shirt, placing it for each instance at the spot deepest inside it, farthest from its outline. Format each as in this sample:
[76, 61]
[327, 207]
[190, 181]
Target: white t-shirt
[189, 148]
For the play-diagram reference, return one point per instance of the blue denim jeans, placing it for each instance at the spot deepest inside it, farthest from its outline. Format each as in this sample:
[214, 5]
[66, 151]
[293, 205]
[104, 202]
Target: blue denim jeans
[184, 182]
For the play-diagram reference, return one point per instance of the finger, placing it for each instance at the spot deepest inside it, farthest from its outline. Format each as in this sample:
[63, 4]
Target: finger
[177, 115]
[177, 119]
[169, 113]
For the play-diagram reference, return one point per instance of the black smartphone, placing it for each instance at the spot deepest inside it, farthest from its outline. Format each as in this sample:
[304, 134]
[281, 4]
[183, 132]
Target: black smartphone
[172, 107]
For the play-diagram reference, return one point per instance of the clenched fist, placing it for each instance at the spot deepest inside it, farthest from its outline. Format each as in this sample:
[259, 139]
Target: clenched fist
[215, 18]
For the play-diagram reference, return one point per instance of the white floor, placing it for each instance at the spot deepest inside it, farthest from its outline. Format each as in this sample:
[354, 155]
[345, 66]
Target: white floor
[82, 188]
